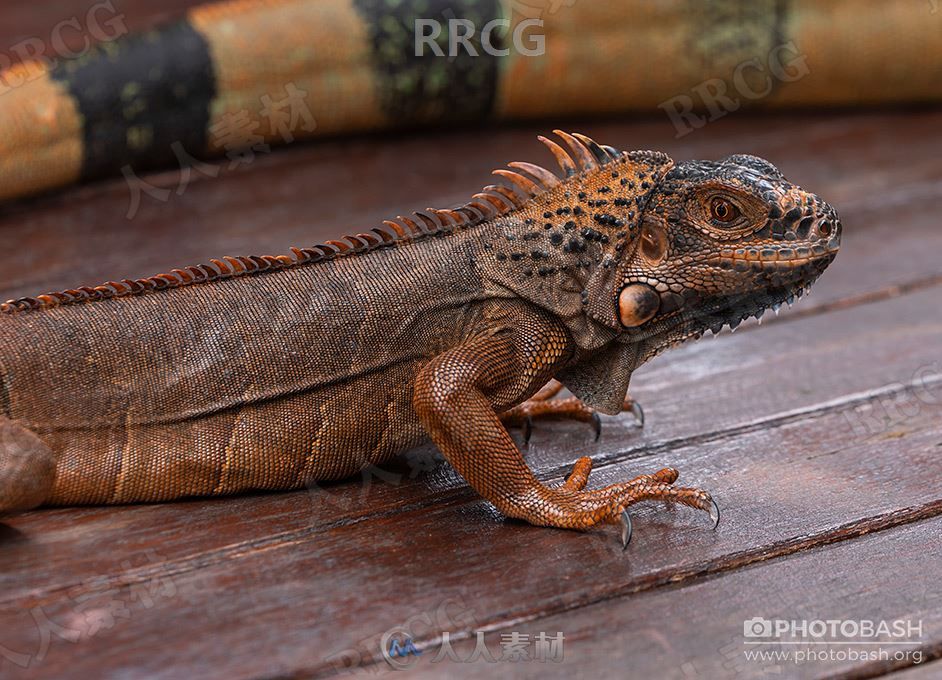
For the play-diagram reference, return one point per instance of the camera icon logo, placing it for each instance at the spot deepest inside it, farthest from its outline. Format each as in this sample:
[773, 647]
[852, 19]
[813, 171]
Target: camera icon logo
[756, 627]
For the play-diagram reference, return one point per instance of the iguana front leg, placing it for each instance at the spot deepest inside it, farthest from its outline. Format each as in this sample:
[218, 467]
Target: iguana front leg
[543, 405]
[457, 397]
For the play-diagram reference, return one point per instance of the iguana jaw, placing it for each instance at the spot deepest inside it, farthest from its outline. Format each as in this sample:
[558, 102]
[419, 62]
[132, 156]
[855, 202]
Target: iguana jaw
[697, 315]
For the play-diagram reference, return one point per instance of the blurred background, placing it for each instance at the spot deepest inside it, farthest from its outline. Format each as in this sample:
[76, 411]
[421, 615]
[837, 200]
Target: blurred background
[98, 89]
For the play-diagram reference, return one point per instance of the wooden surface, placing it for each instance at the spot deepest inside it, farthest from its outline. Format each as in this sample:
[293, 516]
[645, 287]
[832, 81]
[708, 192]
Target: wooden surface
[819, 433]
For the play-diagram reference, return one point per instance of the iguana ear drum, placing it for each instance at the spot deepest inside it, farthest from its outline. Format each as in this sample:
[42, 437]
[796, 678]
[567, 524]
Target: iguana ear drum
[637, 303]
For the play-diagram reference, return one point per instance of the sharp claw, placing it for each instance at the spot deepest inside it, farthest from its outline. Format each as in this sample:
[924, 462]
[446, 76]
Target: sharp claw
[527, 430]
[714, 513]
[638, 413]
[626, 528]
[596, 425]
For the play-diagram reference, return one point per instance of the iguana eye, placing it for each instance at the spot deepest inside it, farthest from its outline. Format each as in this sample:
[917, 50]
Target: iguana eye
[723, 211]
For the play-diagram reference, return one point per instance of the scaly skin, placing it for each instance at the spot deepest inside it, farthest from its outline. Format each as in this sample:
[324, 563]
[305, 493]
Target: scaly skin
[273, 372]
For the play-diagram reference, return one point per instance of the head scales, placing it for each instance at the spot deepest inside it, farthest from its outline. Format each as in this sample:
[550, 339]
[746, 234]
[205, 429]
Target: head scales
[722, 242]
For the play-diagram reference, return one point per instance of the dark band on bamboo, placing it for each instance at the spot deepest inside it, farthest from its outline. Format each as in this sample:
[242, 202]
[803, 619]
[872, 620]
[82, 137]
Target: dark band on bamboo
[426, 87]
[141, 95]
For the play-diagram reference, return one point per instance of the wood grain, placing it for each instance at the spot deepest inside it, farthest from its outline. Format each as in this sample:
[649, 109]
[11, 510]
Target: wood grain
[924, 671]
[696, 630]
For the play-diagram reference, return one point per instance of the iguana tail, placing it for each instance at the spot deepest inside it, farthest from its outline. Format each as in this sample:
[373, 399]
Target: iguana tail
[27, 468]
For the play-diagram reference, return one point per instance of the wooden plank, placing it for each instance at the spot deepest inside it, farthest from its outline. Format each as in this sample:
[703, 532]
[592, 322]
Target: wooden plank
[736, 382]
[924, 671]
[696, 630]
[296, 605]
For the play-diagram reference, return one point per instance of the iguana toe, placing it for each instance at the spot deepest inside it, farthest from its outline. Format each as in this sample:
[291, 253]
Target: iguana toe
[568, 408]
[626, 529]
[714, 513]
[579, 476]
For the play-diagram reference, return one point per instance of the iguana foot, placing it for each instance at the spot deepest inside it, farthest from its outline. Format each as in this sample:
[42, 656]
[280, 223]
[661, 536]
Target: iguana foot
[579, 476]
[569, 506]
[543, 405]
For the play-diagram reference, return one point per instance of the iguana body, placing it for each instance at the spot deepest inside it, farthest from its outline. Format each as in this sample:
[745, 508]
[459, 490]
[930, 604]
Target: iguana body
[271, 373]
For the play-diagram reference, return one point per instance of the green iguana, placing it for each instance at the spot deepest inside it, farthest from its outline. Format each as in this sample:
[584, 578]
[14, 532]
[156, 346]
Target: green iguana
[272, 372]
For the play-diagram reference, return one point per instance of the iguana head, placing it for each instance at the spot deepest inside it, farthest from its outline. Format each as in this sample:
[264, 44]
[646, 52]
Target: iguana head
[721, 242]
[634, 253]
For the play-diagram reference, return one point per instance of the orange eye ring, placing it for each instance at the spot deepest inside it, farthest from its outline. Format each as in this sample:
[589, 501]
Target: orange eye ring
[723, 211]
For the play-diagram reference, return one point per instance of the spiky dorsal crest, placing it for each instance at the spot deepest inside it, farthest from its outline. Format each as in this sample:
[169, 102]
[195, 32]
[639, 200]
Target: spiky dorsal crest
[524, 182]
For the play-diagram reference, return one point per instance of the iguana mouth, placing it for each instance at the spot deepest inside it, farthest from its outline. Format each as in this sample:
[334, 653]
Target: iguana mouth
[770, 258]
[778, 257]
[691, 319]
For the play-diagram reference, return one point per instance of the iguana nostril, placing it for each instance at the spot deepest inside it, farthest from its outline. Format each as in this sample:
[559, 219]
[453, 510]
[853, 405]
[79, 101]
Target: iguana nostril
[825, 228]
